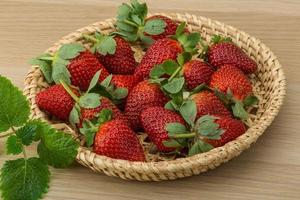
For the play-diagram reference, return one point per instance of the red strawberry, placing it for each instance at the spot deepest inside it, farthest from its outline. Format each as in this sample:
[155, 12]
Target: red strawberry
[232, 127]
[56, 101]
[115, 139]
[228, 77]
[195, 73]
[142, 96]
[154, 121]
[160, 51]
[226, 52]
[208, 103]
[170, 28]
[122, 60]
[124, 81]
[82, 69]
[89, 114]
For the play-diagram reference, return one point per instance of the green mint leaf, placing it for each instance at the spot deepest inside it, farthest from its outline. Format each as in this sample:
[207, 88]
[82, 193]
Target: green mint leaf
[183, 58]
[14, 108]
[56, 148]
[94, 81]
[189, 111]
[175, 128]
[199, 147]
[180, 29]
[24, 179]
[60, 71]
[45, 67]
[106, 82]
[172, 143]
[74, 117]
[157, 72]
[90, 100]
[27, 133]
[175, 85]
[250, 100]
[155, 26]
[239, 110]
[120, 93]
[69, 51]
[170, 66]
[107, 45]
[14, 145]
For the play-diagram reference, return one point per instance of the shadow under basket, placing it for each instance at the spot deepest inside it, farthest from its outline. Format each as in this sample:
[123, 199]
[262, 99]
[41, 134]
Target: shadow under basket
[269, 85]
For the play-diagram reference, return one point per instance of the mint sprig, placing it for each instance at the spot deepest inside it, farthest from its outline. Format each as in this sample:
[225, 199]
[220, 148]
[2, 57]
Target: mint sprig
[28, 178]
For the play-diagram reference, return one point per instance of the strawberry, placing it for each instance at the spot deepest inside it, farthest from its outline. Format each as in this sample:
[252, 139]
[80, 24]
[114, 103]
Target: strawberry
[90, 113]
[56, 101]
[116, 139]
[228, 77]
[113, 52]
[232, 129]
[226, 52]
[143, 95]
[83, 68]
[124, 81]
[160, 51]
[195, 73]
[154, 121]
[73, 64]
[208, 103]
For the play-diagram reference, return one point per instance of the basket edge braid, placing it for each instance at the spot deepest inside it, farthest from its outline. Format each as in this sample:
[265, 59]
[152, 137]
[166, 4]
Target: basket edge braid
[182, 167]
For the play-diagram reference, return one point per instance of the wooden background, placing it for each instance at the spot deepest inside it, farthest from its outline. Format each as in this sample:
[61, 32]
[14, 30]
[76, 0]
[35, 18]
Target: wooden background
[269, 170]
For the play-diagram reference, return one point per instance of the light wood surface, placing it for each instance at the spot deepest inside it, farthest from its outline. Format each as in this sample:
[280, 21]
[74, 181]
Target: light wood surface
[270, 169]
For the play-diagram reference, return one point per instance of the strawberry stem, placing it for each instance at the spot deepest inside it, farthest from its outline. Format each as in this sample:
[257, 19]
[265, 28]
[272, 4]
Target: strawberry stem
[90, 38]
[184, 135]
[175, 73]
[130, 23]
[69, 91]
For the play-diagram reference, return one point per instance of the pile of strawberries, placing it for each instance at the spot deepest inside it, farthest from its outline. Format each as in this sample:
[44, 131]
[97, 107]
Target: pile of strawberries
[187, 100]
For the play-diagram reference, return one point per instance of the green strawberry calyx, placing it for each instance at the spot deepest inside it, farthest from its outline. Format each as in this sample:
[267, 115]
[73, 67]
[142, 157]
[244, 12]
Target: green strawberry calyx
[54, 67]
[188, 41]
[103, 44]
[194, 138]
[108, 89]
[91, 127]
[238, 107]
[132, 24]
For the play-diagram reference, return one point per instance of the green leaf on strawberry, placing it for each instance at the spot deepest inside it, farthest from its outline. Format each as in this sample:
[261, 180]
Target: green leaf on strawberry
[188, 111]
[14, 108]
[207, 127]
[69, 51]
[199, 147]
[174, 86]
[90, 100]
[45, 66]
[155, 26]
[24, 179]
[239, 110]
[250, 100]
[175, 128]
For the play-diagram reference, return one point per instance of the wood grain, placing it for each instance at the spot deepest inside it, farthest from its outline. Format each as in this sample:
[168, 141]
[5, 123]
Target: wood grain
[268, 170]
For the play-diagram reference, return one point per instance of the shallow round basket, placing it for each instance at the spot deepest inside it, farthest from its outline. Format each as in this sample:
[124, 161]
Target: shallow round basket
[269, 85]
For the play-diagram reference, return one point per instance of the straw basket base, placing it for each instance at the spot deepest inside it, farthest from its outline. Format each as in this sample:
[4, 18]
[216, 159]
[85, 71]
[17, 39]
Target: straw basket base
[268, 83]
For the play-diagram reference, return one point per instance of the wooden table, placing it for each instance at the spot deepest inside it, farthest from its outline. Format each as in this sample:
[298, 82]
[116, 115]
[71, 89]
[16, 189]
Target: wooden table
[268, 170]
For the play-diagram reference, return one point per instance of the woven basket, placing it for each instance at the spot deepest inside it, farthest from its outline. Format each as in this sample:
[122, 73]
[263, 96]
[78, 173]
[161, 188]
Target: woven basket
[269, 85]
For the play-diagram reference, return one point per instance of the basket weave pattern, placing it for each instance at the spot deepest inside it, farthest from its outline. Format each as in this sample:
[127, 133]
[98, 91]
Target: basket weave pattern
[268, 82]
